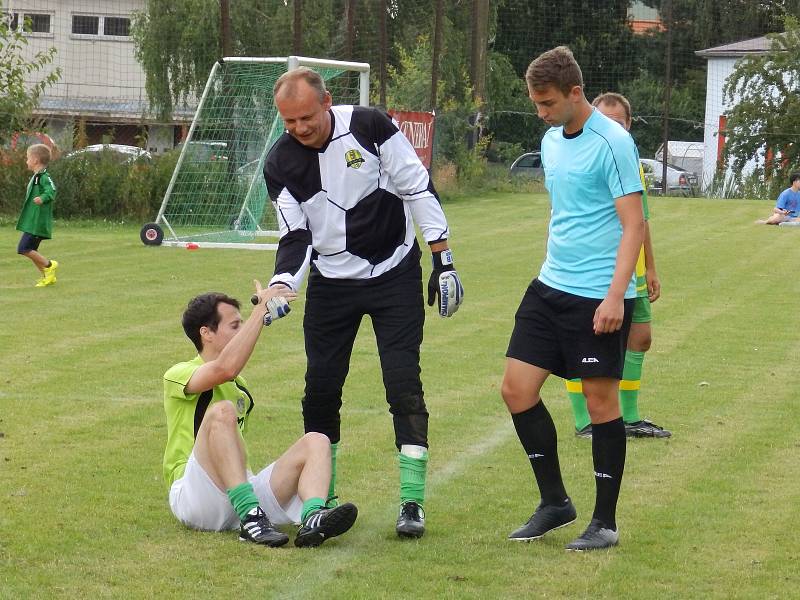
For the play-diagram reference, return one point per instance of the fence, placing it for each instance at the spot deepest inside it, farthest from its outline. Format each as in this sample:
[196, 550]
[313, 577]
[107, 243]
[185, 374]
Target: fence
[130, 71]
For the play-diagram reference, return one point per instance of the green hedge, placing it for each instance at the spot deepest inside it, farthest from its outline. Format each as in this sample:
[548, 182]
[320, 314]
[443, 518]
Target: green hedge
[93, 186]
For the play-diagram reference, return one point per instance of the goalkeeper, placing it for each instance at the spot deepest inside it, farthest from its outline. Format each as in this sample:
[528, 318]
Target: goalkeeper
[348, 188]
[208, 405]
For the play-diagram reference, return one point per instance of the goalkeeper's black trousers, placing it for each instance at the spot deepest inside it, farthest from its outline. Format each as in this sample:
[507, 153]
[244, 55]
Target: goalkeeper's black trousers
[333, 312]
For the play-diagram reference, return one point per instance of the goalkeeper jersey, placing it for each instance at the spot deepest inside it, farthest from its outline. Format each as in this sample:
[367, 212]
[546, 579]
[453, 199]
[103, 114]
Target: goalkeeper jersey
[185, 413]
[348, 209]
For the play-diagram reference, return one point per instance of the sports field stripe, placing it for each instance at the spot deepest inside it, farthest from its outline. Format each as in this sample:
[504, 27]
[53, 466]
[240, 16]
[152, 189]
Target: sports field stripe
[325, 571]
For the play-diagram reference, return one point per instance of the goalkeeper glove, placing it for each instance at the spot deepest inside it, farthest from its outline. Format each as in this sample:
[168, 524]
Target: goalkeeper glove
[277, 308]
[444, 284]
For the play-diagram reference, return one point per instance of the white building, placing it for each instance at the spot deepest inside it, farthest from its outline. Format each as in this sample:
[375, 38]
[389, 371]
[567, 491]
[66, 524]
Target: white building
[101, 84]
[721, 62]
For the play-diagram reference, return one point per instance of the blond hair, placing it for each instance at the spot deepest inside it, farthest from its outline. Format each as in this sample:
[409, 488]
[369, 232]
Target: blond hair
[614, 99]
[41, 153]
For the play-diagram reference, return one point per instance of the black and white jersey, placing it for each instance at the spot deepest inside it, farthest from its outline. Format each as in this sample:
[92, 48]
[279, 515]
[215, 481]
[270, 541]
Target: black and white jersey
[349, 207]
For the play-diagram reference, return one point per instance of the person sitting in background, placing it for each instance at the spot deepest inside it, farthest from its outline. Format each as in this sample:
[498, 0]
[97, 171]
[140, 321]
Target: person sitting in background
[787, 208]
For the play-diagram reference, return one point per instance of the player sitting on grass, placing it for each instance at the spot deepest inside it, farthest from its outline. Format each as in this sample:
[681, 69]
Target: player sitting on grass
[208, 406]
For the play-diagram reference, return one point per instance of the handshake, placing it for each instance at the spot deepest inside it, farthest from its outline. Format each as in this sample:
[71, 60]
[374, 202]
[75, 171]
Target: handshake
[276, 299]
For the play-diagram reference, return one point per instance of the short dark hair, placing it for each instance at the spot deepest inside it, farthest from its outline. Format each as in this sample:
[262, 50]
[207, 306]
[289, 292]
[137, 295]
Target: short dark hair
[793, 177]
[613, 99]
[556, 68]
[290, 78]
[202, 312]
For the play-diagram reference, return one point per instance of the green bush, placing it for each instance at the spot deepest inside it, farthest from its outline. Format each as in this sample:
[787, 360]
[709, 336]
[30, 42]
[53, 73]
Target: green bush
[93, 185]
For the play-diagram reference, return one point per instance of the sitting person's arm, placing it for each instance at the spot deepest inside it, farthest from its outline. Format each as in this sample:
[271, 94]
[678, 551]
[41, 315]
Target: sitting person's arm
[234, 356]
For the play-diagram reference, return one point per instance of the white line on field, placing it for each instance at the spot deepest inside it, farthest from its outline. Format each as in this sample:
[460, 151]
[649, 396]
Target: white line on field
[324, 571]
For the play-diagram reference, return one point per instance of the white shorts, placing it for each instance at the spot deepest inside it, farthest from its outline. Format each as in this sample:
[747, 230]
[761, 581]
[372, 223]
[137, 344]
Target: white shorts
[198, 503]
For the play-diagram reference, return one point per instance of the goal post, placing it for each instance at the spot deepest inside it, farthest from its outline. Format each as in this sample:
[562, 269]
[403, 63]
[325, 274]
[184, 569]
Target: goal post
[217, 196]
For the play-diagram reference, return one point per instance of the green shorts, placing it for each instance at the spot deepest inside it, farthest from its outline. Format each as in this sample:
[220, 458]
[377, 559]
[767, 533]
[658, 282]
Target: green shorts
[641, 310]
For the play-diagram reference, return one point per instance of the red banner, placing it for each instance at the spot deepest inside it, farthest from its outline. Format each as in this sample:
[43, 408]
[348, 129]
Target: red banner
[418, 128]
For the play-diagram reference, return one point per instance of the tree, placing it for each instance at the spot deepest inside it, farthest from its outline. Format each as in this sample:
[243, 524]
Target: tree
[19, 97]
[764, 92]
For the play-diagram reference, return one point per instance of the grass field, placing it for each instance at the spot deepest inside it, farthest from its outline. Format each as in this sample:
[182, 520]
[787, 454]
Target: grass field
[706, 514]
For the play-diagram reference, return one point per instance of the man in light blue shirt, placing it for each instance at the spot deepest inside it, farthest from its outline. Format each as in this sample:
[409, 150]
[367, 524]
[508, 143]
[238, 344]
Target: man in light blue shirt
[787, 208]
[575, 316]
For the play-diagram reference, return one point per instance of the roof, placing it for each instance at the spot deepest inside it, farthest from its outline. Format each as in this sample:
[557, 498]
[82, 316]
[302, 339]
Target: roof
[683, 149]
[116, 109]
[754, 46]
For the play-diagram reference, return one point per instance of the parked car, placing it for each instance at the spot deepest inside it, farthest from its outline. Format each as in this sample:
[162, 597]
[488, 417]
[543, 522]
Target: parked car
[119, 152]
[680, 182]
[528, 165]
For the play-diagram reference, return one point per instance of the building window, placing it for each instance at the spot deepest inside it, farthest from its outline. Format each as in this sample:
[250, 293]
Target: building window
[99, 26]
[37, 23]
[85, 25]
[118, 26]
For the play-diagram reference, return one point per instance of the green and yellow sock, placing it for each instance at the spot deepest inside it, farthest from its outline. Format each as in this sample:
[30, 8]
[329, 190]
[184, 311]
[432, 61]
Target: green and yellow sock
[243, 499]
[413, 472]
[311, 505]
[578, 400]
[629, 386]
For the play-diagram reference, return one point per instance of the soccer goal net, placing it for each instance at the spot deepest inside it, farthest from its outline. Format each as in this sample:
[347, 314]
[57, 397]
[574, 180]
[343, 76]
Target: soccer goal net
[217, 196]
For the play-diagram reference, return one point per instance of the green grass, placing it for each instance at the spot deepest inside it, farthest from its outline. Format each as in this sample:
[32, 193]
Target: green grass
[708, 513]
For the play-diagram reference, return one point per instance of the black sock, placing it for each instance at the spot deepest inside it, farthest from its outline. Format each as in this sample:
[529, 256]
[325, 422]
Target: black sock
[608, 454]
[537, 433]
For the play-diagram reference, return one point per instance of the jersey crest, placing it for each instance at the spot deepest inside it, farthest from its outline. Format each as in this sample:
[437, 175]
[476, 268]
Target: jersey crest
[354, 159]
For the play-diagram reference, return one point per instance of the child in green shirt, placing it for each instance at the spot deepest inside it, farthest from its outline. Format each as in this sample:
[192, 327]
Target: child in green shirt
[36, 219]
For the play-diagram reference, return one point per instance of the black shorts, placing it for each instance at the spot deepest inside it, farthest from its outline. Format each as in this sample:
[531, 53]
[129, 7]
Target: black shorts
[553, 330]
[28, 242]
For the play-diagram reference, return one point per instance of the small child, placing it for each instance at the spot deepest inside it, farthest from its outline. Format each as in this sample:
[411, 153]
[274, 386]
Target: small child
[36, 220]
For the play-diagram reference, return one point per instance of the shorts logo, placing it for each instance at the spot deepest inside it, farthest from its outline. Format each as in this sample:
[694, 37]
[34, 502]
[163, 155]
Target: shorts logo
[240, 405]
[354, 159]
[602, 475]
[589, 359]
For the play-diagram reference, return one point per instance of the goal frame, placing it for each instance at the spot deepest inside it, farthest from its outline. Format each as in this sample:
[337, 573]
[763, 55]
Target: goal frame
[171, 238]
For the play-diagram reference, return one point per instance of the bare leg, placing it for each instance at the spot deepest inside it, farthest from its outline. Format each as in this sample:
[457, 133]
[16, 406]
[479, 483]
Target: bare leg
[640, 337]
[521, 385]
[219, 448]
[304, 469]
[601, 398]
[38, 260]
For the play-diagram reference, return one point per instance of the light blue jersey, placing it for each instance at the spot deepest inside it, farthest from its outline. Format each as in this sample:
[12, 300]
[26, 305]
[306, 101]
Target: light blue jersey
[584, 174]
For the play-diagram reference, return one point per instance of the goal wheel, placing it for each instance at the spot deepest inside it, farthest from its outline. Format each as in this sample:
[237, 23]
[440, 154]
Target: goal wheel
[151, 234]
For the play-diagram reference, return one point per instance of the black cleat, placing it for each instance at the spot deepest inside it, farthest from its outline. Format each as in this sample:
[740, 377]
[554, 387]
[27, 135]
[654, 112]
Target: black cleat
[546, 518]
[325, 523]
[411, 522]
[258, 529]
[586, 432]
[644, 429]
[596, 537]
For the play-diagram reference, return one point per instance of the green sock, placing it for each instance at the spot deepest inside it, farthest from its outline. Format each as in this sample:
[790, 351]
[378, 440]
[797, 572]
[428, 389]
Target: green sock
[579, 410]
[412, 475]
[243, 499]
[332, 486]
[311, 505]
[629, 386]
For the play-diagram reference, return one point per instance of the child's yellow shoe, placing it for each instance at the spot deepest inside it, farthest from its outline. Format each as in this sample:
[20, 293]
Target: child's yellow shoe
[50, 273]
[41, 283]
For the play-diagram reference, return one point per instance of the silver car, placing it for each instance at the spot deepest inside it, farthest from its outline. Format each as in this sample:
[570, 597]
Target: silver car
[528, 165]
[680, 182]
